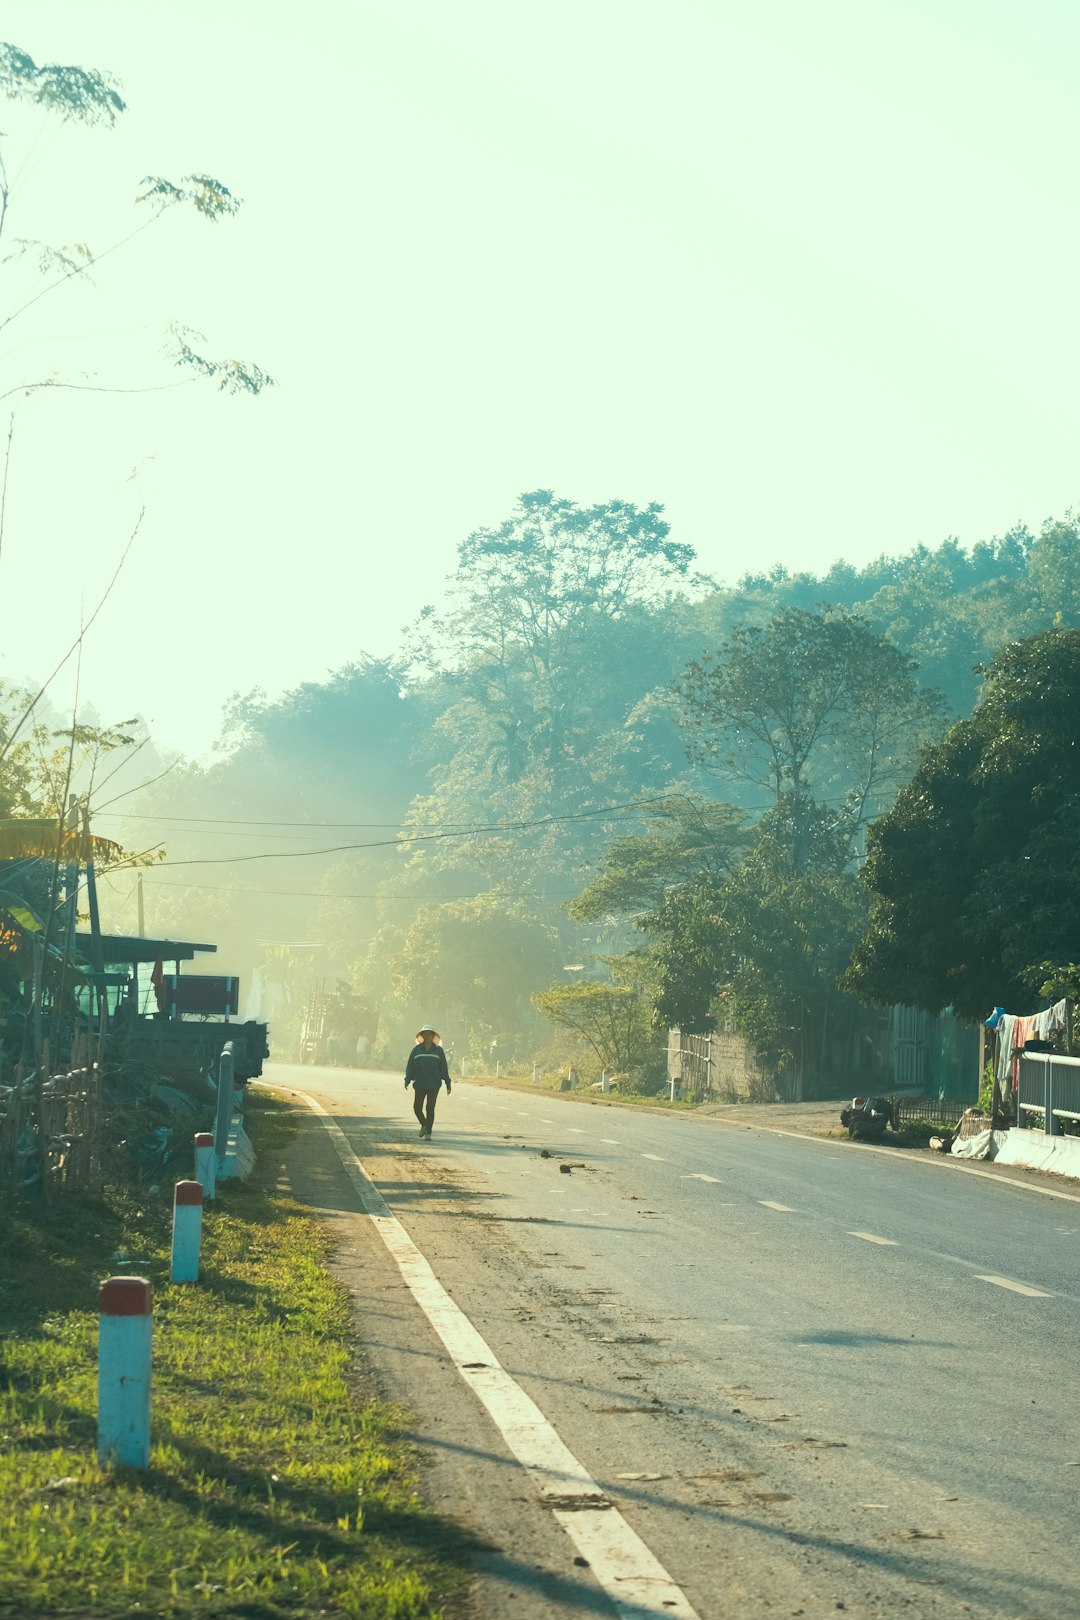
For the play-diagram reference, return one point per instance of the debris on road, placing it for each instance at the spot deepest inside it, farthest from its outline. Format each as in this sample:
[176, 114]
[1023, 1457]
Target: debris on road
[867, 1117]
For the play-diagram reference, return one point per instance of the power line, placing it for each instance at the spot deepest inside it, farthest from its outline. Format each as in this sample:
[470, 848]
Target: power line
[422, 838]
[241, 821]
[319, 894]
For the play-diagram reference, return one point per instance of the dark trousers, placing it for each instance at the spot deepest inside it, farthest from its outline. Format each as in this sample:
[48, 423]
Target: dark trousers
[423, 1103]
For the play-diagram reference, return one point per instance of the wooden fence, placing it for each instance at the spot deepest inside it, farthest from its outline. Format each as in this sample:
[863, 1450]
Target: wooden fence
[49, 1133]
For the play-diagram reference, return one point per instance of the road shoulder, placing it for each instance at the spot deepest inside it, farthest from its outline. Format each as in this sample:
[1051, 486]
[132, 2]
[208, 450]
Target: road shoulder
[522, 1563]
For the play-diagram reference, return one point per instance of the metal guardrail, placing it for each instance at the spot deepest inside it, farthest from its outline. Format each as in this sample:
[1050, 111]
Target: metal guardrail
[1049, 1085]
[232, 1149]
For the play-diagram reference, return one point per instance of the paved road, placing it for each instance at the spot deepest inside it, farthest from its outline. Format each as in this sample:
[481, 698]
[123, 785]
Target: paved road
[841, 1377]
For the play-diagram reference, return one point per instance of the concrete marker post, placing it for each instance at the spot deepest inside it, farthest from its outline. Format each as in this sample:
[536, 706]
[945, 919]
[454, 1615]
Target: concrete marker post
[225, 1101]
[186, 1231]
[125, 1340]
[205, 1164]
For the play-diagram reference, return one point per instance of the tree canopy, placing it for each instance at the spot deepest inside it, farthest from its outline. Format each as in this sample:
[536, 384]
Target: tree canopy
[812, 707]
[974, 875]
[528, 754]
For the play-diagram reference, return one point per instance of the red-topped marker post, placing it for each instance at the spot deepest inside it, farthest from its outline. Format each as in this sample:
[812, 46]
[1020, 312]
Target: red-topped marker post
[125, 1336]
[186, 1231]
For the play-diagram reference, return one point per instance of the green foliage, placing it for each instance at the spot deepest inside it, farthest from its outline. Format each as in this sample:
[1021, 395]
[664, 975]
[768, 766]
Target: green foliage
[812, 705]
[974, 874]
[46, 259]
[22, 790]
[89, 97]
[824, 714]
[615, 1018]
[231, 376]
[987, 1089]
[1053, 981]
[1053, 574]
[73, 93]
[476, 961]
[276, 1484]
[542, 694]
[763, 947]
[205, 194]
[690, 839]
[544, 626]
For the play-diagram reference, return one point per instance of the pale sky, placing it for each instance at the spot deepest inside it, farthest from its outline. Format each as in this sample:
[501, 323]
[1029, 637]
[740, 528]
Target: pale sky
[804, 271]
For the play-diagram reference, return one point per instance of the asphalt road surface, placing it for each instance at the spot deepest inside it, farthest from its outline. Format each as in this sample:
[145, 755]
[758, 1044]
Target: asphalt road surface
[809, 1377]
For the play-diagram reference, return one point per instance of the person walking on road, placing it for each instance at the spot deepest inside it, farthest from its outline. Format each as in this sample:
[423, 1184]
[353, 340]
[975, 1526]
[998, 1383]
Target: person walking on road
[426, 1071]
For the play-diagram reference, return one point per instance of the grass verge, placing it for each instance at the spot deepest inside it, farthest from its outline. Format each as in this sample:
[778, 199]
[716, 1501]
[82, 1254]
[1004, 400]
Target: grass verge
[274, 1489]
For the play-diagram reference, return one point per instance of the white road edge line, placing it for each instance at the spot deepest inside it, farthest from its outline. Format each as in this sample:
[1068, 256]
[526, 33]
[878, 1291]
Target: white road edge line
[1015, 1287]
[933, 1161]
[870, 1237]
[637, 1584]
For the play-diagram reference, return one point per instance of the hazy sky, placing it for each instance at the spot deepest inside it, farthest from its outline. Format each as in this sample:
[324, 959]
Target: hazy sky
[802, 270]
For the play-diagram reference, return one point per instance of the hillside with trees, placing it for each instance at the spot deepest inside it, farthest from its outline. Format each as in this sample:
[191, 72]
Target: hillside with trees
[589, 766]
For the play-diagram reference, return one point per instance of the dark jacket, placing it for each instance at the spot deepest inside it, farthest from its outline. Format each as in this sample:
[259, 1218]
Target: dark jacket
[426, 1068]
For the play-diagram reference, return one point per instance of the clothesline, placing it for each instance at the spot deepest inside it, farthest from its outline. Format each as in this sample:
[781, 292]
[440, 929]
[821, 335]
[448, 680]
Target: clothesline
[1015, 1031]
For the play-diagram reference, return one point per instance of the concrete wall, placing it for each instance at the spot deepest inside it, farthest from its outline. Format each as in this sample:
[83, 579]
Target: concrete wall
[723, 1061]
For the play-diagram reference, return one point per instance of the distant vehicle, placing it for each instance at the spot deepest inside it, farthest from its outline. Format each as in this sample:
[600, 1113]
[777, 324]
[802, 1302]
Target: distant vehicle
[336, 1026]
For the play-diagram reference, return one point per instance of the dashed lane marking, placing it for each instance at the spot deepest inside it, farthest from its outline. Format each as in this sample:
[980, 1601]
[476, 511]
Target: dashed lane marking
[783, 1209]
[610, 1141]
[658, 1157]
[870, 1237]
[1015, 1287]
[635, 1581]
[699, 1175]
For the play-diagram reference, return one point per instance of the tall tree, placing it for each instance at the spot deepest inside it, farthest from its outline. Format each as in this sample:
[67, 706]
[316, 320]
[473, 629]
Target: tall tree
[812, 707]
[974, 876]
[535, 607]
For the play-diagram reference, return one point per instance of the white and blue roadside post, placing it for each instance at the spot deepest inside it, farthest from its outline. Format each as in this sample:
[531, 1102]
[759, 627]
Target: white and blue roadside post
[206, 1164]
[226, 1101]
[125, 1350]
[186, 1231]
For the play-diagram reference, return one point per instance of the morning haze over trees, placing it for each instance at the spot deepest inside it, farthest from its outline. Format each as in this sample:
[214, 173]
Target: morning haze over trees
[595, 792]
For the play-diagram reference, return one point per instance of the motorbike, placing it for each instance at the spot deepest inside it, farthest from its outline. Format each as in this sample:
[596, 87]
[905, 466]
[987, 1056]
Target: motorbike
[867, 1118]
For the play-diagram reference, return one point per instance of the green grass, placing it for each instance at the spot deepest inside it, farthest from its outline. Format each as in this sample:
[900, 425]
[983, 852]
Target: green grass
[276, 1486]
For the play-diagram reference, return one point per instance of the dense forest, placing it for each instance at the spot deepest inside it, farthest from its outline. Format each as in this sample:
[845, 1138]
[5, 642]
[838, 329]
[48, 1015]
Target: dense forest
[594, 792]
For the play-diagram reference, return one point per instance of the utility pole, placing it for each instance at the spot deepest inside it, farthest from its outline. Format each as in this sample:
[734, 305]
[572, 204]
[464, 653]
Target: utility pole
[96, 953]
[142, 913]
